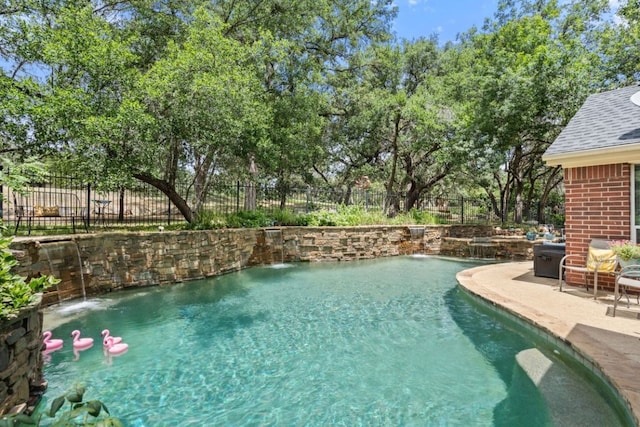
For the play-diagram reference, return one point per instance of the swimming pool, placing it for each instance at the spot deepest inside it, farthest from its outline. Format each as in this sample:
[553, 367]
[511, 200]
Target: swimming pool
[382, 342]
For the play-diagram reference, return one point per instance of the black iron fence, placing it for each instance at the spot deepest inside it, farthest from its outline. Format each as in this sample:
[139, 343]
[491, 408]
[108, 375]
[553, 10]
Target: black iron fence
[63, 201]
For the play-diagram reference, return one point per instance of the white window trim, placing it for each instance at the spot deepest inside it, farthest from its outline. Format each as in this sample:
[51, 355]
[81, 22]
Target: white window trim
[635, 228]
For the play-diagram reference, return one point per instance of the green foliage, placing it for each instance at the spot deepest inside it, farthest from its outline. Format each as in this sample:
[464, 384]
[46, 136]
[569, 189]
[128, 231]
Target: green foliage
[557, 219]
[349, 216]
[249, 219]
[422, 217]
[185, 92]
[207, 220]
[521, 80]
[17, 420]
[15, 291]
[626, 250]
[620, 40]
[321, 218]
[80, 413]
[288, 217]
[17, 175]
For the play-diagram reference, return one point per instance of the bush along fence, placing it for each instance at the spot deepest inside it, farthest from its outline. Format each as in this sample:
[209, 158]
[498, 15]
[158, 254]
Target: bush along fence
[67, 202]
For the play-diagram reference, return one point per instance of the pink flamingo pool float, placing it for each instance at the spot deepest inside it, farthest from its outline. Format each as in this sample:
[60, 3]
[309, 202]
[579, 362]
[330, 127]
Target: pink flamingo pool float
[80, 343]
[114, 348]
[51, 344]
[106, 334]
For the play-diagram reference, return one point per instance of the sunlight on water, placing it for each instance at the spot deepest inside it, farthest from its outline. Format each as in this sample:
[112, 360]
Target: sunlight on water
[280, 265]
[81, 306]
[382, 342]
[420, 256]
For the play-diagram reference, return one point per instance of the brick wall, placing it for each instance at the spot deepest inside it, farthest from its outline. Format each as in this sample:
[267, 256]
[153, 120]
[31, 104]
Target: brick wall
[598, 204]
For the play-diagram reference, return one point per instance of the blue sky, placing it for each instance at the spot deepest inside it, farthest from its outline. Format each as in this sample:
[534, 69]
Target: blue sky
[446, 18]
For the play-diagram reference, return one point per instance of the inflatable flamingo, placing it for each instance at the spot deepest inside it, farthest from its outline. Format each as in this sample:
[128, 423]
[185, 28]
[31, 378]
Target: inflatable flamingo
[112, 348]
[80, 343]
[49, 343]
[106, 334]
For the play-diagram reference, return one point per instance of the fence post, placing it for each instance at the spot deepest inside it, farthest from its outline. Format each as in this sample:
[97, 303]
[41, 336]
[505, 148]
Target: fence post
[237, 196]
[168, 211]
[1, 197]
[88, 204]
[462, 209]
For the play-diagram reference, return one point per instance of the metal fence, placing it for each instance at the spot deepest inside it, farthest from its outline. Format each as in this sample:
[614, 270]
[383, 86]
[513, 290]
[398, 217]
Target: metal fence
[74, 204]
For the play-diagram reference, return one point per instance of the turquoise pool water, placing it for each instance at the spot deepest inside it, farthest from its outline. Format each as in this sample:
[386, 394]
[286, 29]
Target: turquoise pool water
[382, 342]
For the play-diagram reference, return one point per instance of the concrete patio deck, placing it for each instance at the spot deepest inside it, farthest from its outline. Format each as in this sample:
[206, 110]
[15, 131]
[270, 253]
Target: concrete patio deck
[612, 344]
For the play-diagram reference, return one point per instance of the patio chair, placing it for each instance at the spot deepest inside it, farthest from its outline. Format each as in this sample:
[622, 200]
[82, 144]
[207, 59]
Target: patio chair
[599, 259]
[628, 277]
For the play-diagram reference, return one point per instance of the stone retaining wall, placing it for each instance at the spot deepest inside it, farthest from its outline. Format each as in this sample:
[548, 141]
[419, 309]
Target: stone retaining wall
[20, 358]
[95, 264]
[499, 248]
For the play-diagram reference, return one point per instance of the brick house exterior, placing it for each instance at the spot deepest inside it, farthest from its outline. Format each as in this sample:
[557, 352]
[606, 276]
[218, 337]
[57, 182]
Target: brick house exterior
[597, 204]
[598, 151]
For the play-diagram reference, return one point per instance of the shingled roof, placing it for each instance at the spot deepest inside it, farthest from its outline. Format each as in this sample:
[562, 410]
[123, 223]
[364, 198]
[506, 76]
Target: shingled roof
[606, 124]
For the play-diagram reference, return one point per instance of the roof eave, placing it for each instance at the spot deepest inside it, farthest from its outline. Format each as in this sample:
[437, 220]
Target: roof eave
[628, 153]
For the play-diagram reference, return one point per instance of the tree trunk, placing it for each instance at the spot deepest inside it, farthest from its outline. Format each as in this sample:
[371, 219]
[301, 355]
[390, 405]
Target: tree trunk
[250, 194]
[202, 181]
[554, 179]
[494, 202]
[391, 199]
[505, 193]
[175, 198]
[346, 200]
[412, 196]
[517, 212]
[282, 187]
[515, 171]
[121, 205]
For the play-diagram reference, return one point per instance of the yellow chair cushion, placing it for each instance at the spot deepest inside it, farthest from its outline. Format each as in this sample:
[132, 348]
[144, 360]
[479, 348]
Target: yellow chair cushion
[601, 259]
[46, 211]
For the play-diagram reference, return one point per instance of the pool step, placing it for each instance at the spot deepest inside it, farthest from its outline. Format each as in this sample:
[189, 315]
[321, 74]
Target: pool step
[560, 390]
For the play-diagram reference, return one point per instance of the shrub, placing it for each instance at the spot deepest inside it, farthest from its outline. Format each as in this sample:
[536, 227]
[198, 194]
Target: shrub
[208, 220]
[15, 291]
[288, 217]
[321, 218]
[249, 219]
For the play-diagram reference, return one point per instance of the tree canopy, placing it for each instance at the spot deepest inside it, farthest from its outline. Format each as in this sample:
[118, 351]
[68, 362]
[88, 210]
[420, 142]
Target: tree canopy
[185, 95]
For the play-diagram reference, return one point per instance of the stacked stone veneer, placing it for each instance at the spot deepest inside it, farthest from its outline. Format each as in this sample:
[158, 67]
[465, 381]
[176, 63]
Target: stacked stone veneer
[20, 357]
[95, 264]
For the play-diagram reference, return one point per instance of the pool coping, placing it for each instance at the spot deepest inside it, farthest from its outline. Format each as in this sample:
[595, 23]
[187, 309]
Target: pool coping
[607, 345]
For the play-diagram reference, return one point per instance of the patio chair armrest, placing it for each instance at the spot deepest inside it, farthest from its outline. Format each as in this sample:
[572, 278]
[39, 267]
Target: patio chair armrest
[569, 256]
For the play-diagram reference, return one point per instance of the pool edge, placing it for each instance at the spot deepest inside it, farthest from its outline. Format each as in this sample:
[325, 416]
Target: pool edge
[537, 306]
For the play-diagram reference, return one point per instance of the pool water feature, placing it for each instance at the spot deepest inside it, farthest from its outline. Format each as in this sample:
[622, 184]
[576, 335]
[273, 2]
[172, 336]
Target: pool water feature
[381, 342]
